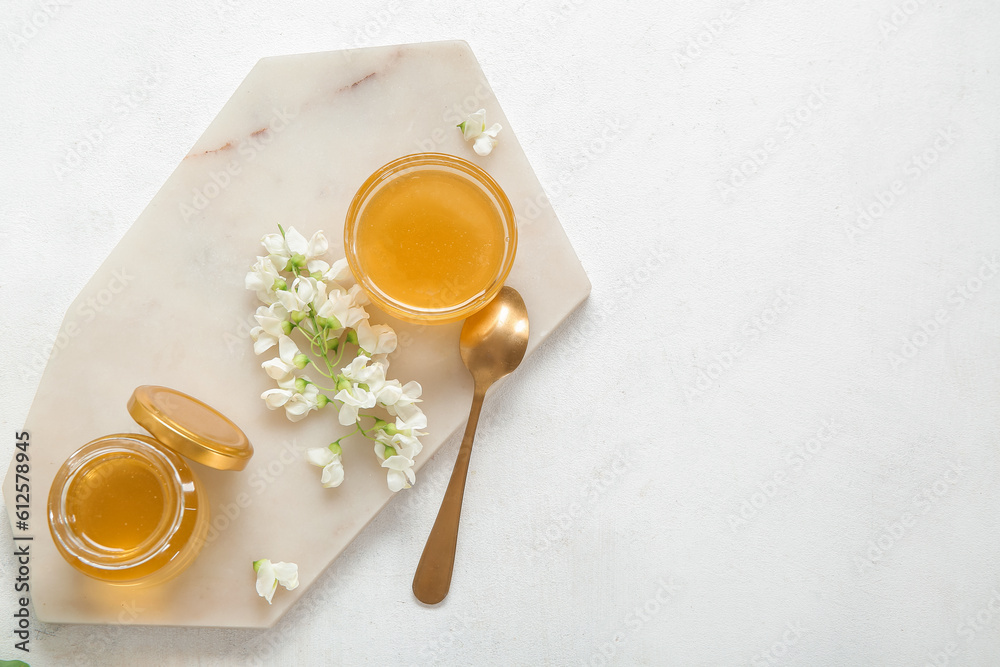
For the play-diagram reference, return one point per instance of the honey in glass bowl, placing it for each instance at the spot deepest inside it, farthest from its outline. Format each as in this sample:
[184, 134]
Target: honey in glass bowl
[430, 238]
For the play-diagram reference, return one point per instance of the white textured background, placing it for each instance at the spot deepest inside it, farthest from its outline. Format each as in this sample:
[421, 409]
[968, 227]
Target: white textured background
[654, 487]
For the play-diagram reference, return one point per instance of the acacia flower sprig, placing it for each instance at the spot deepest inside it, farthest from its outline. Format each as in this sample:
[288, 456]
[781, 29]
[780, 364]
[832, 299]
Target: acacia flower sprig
[269, 575]
[474, 127]
[309, 299]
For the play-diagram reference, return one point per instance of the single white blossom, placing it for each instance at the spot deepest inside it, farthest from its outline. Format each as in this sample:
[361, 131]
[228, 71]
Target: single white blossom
[347, 307]
[283, 367]
[412, 424]
[277, 398]
[269, 575]
[302, 402]
[328, 458]
[338, 272]
[377, 339]
[272, 322]
[283, 249]
[358, 371]
[353, 399]
[399, 473]
[404, 444]
[387, 392]
[305, 293]
[264, 278]
[405, 406]
[485, 138]
[473, 125]
[299, 396]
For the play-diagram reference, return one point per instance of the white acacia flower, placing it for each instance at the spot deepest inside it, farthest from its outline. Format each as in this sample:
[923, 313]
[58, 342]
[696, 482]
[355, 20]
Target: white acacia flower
[352, 400]
[281, 249]
[344, 306]
[302, 402]
[338, 272]
[474, 127]
[358, 295]
[305, 292]
[264, 278]
[272, 321]
[277, 398]
[358, 371]
[400, 468]
[405, 406]
[411, 425]
[299, 396]
[387, 392]
[269, 575]
[377, 339]
[405, 445]
[283, 367]
[328, 458]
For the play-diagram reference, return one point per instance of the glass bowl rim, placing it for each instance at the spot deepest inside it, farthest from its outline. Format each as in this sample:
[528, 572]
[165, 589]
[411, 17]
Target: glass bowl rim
[474, 174]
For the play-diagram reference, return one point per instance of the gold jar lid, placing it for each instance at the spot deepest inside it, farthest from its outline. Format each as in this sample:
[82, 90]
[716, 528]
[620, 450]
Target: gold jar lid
[190, 428]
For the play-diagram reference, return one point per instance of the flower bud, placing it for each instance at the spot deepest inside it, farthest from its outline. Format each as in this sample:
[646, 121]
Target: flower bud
[297, 261]
[335, 448]
[380, 424]
[343, 383]
[286, 327]
[298, 316]
[390, 429]
[300, 360]
[321, 401]
[300, 385]
[352, 337]
[280, 284]
[389, 451]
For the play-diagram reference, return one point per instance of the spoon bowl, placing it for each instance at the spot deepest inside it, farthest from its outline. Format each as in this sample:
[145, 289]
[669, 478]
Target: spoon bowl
[492, 344]
[494, 340]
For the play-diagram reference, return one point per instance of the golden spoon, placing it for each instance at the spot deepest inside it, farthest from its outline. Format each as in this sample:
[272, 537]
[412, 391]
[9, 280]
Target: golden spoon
[492, 343]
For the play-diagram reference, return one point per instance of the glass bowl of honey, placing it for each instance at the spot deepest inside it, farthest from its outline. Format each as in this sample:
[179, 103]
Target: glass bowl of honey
[430, 237]
[127, 508]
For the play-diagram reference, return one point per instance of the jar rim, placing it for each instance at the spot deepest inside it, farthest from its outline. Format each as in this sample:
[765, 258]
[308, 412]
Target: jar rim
[473, 174]
[117, 563]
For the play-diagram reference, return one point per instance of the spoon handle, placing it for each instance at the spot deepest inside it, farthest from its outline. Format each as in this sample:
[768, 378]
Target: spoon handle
[433, 576]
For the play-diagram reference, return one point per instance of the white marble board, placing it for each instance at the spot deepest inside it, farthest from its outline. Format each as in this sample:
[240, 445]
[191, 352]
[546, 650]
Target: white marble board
[168, 307]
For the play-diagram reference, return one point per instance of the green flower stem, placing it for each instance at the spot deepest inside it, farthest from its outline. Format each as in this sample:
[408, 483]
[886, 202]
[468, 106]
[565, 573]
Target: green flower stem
[366, 432]
[357, 427]
[319, 330]
[323, 373]
[319, 386]
[332, 365]
[313, 344]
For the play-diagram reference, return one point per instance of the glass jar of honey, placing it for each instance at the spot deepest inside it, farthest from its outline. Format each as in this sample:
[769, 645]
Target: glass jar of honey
[430, 237]
[127, 509]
